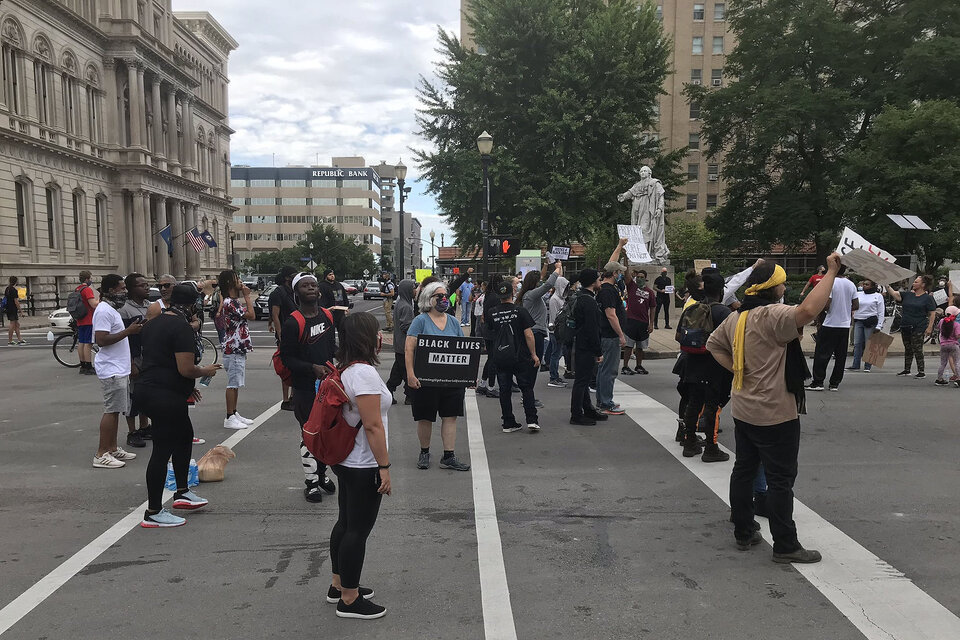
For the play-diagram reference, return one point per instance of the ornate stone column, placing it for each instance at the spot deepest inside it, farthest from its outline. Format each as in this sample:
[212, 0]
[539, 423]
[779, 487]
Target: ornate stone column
[189, 136]
[142, 97]
[157, 120]
[141, 247]
[113, 123]
[135, 103]
[177, 264]
[163, 259]
[150, 237]
[193, 258]
[173, 151]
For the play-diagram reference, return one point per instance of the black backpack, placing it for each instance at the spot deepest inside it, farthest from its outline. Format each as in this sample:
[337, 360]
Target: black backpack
[76, 306]
[504, 345]
[565, 325]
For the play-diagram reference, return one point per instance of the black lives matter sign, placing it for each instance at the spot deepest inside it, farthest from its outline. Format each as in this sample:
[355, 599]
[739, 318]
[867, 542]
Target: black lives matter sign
[446, 361]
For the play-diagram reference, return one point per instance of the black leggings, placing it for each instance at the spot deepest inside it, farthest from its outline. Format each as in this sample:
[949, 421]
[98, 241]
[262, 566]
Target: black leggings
[359, 505]
[398, 374]
[172, 436]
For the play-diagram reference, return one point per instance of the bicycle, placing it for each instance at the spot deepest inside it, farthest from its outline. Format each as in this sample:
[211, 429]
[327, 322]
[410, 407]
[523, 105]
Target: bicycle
[66, 347]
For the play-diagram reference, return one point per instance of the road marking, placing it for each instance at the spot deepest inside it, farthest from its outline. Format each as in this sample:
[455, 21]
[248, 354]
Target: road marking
[48, 585]
[877, 598]
[494, 593]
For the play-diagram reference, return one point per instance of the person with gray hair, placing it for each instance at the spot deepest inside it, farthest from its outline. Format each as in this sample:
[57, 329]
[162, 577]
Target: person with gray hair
[429, 402]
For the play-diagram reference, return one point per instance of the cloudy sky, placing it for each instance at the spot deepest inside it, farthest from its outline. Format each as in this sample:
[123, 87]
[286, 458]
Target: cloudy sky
[322, 78]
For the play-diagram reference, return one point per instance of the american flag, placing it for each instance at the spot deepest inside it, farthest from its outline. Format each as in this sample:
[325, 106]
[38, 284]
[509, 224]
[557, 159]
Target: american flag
[196, 240]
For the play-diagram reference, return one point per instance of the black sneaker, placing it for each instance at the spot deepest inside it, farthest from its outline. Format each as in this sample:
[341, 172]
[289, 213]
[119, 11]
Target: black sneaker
[691, 448]
[493, 393]
[569, 375]
[286, 405]
[512, 428]
[135, 440]
[744, 544]
[668, 327]
[482, 390]
[813, 386]
[940, 382]
[905, 372]
[454, 464]
[361, 608]
[312, 493]
[515, 389]
[146, 433]
[681, 431]
[920, 374]
[800, 556]
[627, 371]
[641, 371]
[423, 462]
[583, 421]
[596, 415]
[333, 594]
[327, 485]
[714, 454]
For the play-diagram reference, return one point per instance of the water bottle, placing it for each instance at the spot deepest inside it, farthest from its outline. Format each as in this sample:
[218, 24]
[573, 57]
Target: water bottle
[193, 476]
[171, 483]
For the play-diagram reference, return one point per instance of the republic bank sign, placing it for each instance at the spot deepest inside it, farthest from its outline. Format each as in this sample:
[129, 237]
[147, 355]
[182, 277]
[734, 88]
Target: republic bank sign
[365, 173]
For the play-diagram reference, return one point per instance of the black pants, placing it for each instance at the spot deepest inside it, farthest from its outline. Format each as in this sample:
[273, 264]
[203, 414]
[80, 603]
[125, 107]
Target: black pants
[526, 377]
[776, 447]
[359, 504]
[398, 374]
[663, 302]
[831, 341]
[490, 369]
[583, 365]
[313, 469]
[172, 438]
[701, 399]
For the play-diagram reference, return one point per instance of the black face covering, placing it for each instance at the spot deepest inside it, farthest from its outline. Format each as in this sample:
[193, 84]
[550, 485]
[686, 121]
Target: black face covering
[869, 289]
[697, 294]
[117, 300]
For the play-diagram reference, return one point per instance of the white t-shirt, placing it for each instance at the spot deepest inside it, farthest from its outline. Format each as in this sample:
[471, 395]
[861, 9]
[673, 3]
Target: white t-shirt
[871, 304]
[112, 360]
[841, 300]
[363, 380]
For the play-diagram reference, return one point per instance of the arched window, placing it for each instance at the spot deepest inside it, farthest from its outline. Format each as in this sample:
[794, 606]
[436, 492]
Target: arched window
[78, 212]
[13, 42]
[53, 205]
[100, 215]
[24, 196]
[43, 80]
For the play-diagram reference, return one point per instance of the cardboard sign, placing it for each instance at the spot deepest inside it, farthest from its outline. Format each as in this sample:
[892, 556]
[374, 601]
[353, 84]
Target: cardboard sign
[560, 253]
[700, 265]
[851, 240]
[636, 248]
[877, 346]
[447, 361]
[874, 267]
[940, 296]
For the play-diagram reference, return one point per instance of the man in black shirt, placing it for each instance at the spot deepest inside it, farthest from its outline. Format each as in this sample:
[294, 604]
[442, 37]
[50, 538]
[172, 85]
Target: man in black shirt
[305, 349]
[519, 359]
[663, 299]
[333, 296]
[280, 305]
[612, 338]
[586, 349]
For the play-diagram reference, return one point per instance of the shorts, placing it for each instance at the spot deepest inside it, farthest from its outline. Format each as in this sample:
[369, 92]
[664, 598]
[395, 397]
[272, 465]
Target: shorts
[235, 364]
[637, 333]
[12, 315]
[134, 409]
[85, 334]
[116, 394]
[429, 402]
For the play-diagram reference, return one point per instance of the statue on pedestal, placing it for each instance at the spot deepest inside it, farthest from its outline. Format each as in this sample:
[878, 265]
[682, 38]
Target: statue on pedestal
[647, 212]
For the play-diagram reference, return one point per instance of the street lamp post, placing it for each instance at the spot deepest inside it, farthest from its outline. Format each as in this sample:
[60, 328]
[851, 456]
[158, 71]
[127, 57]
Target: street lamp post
[233, 250]
[485, 146]
[433, 259]
[401, 180]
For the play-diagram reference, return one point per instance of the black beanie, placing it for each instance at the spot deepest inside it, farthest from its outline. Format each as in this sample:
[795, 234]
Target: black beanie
[588, 277]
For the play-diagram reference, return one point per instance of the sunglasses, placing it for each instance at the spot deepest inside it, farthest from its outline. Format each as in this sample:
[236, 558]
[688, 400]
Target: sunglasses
[165, 285]
[441, 296]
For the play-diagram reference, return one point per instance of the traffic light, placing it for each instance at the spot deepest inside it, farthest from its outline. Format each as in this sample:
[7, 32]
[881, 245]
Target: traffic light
[509, 247]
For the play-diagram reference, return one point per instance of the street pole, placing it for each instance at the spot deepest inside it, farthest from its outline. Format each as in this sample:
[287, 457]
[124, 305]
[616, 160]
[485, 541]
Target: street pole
[401, 180]
[485, 146]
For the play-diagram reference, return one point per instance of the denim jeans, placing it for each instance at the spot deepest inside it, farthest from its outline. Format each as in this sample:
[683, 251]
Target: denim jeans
[552, 355]
[860, 336]
[607, 371]
[467, 307]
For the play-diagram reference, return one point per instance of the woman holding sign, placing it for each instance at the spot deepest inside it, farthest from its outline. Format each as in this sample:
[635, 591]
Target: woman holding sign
[429, 402]
[919, 310]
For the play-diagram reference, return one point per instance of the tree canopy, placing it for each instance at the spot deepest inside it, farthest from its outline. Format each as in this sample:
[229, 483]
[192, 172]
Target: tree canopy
[566, 88]
[330, 250]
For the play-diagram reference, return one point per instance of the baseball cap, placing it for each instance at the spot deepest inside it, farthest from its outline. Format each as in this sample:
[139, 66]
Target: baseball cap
[614, 267]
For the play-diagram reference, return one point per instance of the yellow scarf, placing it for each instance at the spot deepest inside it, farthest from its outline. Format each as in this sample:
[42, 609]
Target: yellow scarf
[779, 277]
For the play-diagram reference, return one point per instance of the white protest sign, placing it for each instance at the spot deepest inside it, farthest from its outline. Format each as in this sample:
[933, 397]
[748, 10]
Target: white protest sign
[560, 253]
[636, 248]
[940, 296]
[550, 257]
[874, 267]
[851, 240]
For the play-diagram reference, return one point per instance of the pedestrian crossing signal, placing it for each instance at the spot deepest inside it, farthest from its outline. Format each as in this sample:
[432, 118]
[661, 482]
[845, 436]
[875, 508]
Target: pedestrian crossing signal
[509, 247]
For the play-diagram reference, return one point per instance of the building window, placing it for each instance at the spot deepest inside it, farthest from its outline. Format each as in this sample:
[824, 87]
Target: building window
[293, 183]
[263, 183]
[711, 201]
[691, 202]
[716, 77]
[694, 143]
[324, 202]
[265, 219]
[238, 202]
[713, 172]
[698, 12]
[696, 76]
[51, 217]
[697, 45]
[717, 45]
[324, 183]
[69, 101]
[693, 172]
[350, 183]
[11, 78]
[21, 191]
[719, 11]
[77, 209]
[93, 115]
[234, 182]
[263, 201]
[659, 13]
[100, 206]
[40, 76]
[356, 202]
[694, 110]
[293, 202]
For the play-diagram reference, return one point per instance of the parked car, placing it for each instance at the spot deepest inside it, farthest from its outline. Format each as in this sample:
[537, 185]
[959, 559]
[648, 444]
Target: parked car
[353, 286]
[372, 292]
[60, 319]
[154, 294]
[350, 289]
[260, 305]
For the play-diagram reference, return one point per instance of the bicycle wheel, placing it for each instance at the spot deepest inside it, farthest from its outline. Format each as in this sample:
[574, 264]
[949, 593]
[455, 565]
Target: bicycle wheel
[65, 350]
[211, 352]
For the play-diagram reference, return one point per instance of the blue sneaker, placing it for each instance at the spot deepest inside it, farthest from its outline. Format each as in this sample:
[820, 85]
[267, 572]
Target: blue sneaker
[161, 520]
[189, 500]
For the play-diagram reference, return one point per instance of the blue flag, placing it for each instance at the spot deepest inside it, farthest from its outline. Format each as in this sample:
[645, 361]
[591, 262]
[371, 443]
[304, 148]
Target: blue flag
[208, 238]
[167, 236]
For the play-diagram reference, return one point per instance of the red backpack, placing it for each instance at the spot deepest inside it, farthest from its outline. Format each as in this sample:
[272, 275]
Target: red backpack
[326, 434]
[278, 365]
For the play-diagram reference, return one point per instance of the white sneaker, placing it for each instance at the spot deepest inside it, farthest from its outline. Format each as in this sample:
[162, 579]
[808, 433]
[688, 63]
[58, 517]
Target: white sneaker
[120, 454]
[233, 423]
[199, 441]
[242, 419]
[533, 427]
[107, 461]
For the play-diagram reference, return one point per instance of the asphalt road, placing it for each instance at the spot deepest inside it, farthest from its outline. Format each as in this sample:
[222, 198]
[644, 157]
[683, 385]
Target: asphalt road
[604, 532]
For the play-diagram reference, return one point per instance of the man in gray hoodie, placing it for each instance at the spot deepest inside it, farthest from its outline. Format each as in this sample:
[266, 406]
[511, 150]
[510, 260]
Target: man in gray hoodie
[403, 315]
[531, 298]
[554, 349]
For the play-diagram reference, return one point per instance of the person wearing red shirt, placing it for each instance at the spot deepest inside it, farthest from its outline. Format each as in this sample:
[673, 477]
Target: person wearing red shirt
[85, 325]
[814, 280]
[641, 302]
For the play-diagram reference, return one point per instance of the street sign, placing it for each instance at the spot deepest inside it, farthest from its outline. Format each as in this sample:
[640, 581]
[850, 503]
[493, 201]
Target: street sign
[311, 265]
[356, 241]
[366, 273]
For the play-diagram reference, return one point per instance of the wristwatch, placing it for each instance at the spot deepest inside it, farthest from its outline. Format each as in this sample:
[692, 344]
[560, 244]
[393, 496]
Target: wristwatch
[383, 466]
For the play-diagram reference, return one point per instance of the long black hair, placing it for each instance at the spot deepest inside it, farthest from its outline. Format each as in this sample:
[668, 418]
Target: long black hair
[530, 281]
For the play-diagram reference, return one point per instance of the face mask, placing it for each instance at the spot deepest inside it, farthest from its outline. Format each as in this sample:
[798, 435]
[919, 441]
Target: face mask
[869, 289]
[117, 300]
[442, 305]
[641, 282]
[859, 288]
[697, 294]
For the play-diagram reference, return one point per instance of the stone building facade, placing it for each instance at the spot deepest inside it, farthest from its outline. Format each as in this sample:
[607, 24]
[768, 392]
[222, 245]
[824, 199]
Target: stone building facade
[113, 124]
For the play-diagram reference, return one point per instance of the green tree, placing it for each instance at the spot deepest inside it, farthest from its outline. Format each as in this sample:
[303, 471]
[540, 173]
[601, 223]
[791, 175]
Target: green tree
[330, 250]
[909, 164]
[690, 240]
[565, 87]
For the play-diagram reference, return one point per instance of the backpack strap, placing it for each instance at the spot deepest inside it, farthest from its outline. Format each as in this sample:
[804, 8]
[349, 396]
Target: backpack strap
[301, 324]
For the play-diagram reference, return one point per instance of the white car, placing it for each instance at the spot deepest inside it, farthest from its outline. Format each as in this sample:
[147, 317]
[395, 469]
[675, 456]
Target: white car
[60, 319]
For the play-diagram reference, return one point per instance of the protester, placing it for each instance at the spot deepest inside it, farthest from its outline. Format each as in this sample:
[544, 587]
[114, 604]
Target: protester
[587, 351]
[515, 351]
[477, 304]
[554, 348]
[834, 333]
[306, 352]
[760, 344]
[233, 317]
[112, 367]
[389, 291]
[867, 318]
[919, 310]
[814, 280]
[165, 285]
[281, 305]
[465, 295]
[135, 310]
[663, 299]
[170, 368]
[641, 302]
[949, 332]
[333, 296]
[403, 314]
[85, 324]
[429, 402]
[534, 286]
[364, 476]
[11, 308]
[612, 338]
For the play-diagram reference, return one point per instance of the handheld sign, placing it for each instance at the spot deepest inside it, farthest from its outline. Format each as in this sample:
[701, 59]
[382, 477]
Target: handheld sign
[446, 361]
[560, 253]
[636, 249]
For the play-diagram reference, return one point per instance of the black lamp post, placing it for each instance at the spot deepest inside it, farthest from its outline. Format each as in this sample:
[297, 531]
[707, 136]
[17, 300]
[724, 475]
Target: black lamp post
[401, 179]
[433, 258]
[485, 146]
[233, 250]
